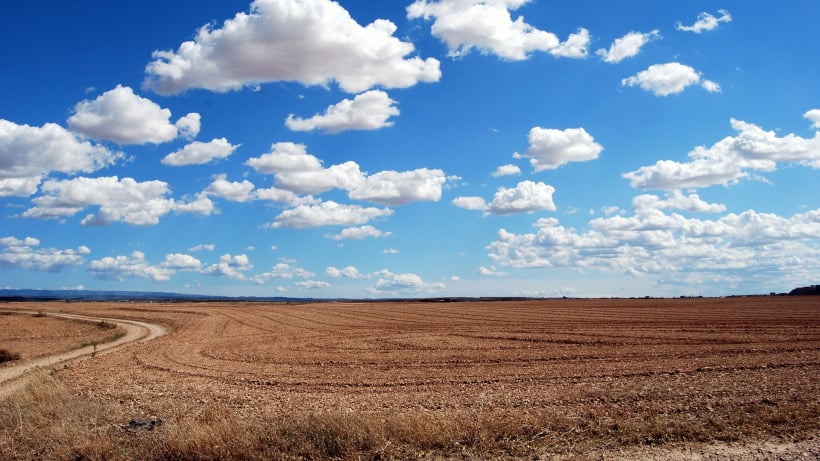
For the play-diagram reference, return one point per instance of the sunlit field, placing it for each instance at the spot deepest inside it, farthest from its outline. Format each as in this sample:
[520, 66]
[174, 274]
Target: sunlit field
[574, 378]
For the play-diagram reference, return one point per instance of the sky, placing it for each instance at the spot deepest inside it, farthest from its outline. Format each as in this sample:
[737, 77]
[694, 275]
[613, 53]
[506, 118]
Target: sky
[416, 148]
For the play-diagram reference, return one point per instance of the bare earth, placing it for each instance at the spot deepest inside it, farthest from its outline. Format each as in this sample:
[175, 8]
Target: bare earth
[53, 339]
[736, 377]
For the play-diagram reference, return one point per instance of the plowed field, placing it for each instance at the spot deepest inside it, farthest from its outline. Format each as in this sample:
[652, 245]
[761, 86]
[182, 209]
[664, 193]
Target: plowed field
[580, 374]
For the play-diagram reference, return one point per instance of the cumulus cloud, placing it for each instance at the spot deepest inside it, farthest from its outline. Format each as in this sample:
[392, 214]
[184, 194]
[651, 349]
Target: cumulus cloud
[706, 21]
[471, 203]
[200, 153]
[276, 195]
[121, 116]
[490, 271]
[525, 197]
[311, 284]
[730, 159]
[313, 42]
[231, 190]
[677, 201]
[506, 170]
[551, 148]
[488, 27]
[29, 153]
[119, 200]
[653, 242]
[296, 170]
[400, 188]
[367, 111]
[24, 254]
[119, 267]
[669, 78]
[327, 213]
[202, 247]
[231, 266]
[814, 116]
[282, 271]
[349, 272]
[360, 233]
[627, 46]
[388, 282]
[181, 262]
[760, 246]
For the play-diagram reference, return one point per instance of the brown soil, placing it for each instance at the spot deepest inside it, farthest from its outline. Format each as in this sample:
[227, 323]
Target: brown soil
[34, 336]
[648, 378]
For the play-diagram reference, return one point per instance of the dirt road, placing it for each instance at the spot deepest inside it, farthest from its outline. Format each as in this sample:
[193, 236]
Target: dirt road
[135, 331]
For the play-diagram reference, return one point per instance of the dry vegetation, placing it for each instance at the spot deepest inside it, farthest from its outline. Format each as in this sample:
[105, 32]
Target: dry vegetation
[453, 380]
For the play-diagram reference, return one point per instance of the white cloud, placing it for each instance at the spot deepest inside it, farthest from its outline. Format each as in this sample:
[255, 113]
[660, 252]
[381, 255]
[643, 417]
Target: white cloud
[551, 148]
[313, 42]
[28, 154]
[121, 116]
[297, 171]
[576, 46]
[706, 21]
[710, 86]
[367, 111]
[200, 153]
[231, 266]
[399, 188]
[391, 251]
[202, 247]
[125, 200]
[275, 195]
[676, 201]
[311, 284]
[525, 197]
[758, 247]
[489, 27]
[627, 46]
[388, 282]
[360, 233]
[282, 271]
[729, 160]
[231, 190]
[181, 262]
[506, 170]
[120, 267]
[814, 116]
[327, 213]
[471, 203]
[349, 272]
[490, 271]
[15, 253]
[669, 78]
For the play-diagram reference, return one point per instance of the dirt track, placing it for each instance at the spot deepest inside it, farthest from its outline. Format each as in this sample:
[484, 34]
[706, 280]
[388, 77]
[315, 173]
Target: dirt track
[11, 376]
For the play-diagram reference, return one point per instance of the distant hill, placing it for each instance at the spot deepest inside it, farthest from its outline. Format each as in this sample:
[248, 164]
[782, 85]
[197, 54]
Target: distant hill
[95, 295]
[803, 291]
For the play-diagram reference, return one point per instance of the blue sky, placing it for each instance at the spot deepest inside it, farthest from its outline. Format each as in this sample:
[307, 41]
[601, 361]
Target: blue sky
[310, 148]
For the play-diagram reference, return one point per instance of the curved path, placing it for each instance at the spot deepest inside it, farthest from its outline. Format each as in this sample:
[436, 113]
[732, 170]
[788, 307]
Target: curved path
[135, 331]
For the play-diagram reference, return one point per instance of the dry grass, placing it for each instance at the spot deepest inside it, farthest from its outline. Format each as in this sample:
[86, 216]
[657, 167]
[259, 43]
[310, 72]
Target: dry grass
[49, 421]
